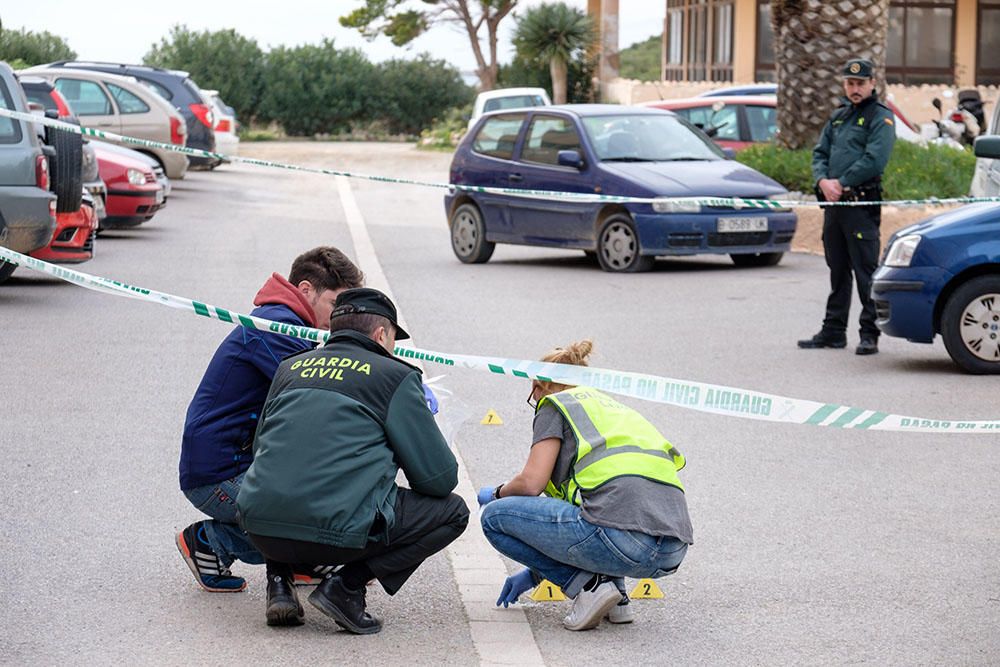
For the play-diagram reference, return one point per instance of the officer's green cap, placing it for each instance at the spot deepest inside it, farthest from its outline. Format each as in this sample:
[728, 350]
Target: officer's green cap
[370, 301]
[859, 68]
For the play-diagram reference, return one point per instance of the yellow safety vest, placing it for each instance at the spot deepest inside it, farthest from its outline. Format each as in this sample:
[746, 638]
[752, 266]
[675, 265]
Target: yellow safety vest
[613, 441]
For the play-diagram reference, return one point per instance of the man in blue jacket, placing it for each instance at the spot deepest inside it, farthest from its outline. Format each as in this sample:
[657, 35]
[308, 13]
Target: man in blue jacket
[339, 422]
[222, 417]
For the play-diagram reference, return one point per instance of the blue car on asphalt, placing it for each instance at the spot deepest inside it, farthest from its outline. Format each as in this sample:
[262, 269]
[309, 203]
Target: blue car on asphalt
[942, 276]
[610, 150]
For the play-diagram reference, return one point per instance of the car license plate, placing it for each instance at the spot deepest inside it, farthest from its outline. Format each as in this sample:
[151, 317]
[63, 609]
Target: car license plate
[742, 224]
[159, 196]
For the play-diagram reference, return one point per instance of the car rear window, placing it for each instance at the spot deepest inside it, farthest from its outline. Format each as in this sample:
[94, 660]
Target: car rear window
[85, 97]
[548, 135]
[40, 96]
[498, 135]
[513, 102]
[162, 91]
[10, 130]
[127, 102]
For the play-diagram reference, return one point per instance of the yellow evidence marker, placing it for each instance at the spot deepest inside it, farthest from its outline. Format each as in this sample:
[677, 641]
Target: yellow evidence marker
[547, 592]
[492, 418]
[646, 588]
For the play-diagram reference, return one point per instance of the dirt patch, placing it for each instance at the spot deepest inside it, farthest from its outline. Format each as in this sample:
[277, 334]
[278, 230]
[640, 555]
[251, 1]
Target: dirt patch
[809, 233]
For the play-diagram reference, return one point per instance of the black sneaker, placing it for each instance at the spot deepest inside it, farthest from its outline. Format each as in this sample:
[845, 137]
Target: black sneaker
[344, 606]
[283, 607]
[823, 339]
[204, 563]
[868, 345]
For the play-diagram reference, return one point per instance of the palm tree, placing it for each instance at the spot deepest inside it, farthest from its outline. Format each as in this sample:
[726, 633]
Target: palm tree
[556, 33]
[812, 41]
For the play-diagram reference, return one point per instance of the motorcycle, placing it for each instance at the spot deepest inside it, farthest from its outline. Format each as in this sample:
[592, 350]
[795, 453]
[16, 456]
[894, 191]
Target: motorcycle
[963, 123]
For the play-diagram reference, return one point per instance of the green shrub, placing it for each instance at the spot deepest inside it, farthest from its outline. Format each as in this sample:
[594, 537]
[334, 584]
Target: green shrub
[316, 89]
[642, 60]
[913, 172]
[446, 132]
[33, 48]
[410, 94]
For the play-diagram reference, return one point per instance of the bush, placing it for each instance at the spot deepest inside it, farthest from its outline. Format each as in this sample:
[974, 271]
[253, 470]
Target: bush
[317, 89]
[410, 94]
[223, 60]
[446, 132]
[642, 60]
[913, 172]
[33, 48]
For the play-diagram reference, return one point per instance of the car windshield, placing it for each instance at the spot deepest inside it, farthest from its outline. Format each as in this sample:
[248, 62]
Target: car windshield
[647, 138]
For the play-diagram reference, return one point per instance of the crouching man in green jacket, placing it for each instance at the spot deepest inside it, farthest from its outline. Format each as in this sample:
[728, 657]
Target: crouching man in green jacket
[338, 424]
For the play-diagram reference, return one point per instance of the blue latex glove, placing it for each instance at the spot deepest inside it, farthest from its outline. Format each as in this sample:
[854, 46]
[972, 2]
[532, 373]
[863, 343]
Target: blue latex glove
[432, 401]
[519, 583]
[485, 495]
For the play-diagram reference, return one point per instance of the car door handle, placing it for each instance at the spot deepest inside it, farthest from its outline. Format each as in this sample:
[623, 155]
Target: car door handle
[515, 178]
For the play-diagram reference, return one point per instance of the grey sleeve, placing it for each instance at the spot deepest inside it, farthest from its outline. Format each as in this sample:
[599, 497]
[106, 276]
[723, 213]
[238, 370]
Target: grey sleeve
[548, 424]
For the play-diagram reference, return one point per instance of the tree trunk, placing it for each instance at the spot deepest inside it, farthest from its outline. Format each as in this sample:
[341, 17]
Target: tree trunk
[559, 71]
[812, 41]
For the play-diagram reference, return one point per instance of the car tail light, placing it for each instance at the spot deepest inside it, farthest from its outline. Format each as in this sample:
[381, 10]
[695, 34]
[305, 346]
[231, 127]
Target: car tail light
[202, 113]
[61, 107]
[177, 131]
[223, 126]
[42, 172]
[957, 116]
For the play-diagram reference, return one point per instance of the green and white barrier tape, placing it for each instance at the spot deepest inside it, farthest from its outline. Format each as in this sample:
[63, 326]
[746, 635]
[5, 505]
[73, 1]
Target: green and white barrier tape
[699, 396]
[667, 204]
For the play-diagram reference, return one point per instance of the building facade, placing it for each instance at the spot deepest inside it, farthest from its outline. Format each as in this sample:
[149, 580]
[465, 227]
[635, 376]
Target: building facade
[953, 42]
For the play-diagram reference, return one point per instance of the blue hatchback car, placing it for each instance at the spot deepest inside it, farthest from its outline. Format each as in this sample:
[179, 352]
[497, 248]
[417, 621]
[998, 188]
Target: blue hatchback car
[610, 150]
[942, 276]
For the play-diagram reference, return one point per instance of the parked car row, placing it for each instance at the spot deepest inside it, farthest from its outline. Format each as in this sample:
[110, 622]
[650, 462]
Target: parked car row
[58, 189]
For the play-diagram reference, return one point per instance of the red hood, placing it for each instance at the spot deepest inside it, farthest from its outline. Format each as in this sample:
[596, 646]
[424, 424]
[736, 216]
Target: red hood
[280, 291]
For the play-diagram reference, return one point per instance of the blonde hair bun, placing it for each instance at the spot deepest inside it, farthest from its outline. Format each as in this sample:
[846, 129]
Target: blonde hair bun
[574, 354]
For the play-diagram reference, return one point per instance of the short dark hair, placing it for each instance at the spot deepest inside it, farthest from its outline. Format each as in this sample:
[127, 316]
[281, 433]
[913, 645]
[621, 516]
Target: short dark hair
[366, 323]
[326, 268]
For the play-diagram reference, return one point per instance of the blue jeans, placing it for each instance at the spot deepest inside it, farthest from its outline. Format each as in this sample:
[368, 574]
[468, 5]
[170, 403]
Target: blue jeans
[225, 536]
[555, 542]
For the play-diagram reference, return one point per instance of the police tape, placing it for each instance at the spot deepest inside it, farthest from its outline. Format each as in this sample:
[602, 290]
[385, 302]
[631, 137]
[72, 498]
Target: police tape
[698, 396]
[663, 204]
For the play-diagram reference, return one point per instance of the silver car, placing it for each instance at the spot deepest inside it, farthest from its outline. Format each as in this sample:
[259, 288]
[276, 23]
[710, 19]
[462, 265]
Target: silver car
[122, 105]
[986, 178]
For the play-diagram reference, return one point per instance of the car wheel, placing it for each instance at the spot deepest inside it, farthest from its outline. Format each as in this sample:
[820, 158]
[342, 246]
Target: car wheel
[67, 169]
[618, 249]
[468, 235]
[758, 259]
[6, 270]
[970, 325]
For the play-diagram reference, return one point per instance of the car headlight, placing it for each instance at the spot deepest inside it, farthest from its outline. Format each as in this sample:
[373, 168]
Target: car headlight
[136, 177]
[667, 205]
[901, 251]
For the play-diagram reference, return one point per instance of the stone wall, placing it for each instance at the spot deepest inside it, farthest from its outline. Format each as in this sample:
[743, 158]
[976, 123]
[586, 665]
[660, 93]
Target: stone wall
[913, 101]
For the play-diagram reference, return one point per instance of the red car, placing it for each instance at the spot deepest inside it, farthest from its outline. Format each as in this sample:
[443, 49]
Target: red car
[133, 193]
[73, 240]
[738, 121]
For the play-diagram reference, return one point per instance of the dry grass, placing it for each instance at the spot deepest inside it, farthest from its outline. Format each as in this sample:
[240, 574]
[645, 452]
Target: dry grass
[809, 234]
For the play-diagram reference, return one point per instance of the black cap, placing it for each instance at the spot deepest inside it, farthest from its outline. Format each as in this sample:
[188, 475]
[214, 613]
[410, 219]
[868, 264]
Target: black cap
[859, 68]
[370, 301]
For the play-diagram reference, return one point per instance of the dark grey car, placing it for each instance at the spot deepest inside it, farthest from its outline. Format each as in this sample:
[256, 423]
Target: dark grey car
[27, 207]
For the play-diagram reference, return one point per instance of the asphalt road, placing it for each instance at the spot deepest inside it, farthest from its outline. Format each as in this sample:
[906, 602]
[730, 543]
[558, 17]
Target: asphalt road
[813, 546]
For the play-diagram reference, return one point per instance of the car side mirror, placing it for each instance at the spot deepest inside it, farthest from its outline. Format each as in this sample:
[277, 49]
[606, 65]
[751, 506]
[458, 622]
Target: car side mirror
[730, 153]
[988, 147]
[52, 113]
[570, 159]
[937, 103]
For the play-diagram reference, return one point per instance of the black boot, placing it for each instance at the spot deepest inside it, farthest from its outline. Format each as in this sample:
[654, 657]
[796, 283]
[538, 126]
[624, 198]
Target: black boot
[283, 608]
[344, 606]
[824, 339]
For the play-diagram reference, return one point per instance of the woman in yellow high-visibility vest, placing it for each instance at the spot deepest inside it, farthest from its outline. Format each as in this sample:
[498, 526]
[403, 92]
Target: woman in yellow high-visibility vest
[614, 506]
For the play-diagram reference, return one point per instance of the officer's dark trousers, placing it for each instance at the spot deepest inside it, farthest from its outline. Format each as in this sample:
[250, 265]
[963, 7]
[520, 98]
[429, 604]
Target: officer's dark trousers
[851, 245]
[423, 527]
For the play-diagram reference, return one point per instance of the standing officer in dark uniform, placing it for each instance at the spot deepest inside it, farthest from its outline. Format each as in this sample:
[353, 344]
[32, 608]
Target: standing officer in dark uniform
[847, 165]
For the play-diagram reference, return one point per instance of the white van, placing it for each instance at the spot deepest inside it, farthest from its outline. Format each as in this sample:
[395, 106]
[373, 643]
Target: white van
[508, 98]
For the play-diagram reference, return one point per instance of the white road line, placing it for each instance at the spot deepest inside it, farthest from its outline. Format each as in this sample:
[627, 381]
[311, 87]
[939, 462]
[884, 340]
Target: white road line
[500, 636]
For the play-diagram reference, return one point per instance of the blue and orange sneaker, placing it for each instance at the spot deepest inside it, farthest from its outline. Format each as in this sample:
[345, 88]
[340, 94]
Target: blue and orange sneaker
[204, 563]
